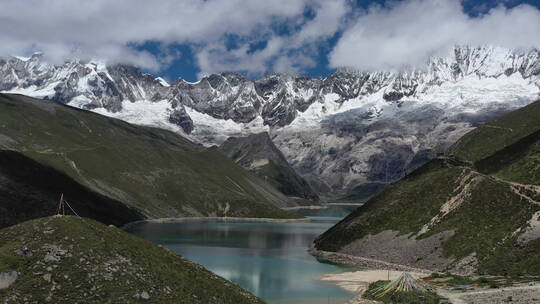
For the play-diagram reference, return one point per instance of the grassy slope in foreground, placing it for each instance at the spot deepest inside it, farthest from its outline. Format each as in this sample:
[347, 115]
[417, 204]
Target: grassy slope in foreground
[77, 260]
[451, 215]
[155, 171]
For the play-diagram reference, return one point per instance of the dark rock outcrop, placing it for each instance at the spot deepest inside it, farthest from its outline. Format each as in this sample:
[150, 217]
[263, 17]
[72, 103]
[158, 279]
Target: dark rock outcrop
[258, 153]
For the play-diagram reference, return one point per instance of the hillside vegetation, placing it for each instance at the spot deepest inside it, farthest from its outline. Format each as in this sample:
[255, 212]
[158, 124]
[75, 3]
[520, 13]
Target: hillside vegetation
[475, 209]
[65, 259]
[155, 172]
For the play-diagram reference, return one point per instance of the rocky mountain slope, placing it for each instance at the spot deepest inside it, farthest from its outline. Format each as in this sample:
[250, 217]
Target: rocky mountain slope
[258, 154]
[77, 260]
[351, 131]
[476, 208]
[156, 172]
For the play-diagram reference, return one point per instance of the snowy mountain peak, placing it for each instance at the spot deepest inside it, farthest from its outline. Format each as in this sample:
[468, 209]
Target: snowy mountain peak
[276, 98]
[337, 131]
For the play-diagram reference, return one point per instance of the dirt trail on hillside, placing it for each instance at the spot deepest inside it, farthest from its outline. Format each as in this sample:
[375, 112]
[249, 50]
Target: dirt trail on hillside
[516, 191]
[515, 295]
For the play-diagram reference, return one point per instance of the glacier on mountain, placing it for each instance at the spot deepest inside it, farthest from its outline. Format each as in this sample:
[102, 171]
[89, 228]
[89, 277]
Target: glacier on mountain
[350, 131]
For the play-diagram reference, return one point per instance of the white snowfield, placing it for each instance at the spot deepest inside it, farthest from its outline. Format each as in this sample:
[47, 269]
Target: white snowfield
[349, 129]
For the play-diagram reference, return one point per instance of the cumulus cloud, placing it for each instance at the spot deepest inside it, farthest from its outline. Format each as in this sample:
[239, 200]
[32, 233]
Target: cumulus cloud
[282, 53]
[275, 35]
[410, 31]
[108, 29]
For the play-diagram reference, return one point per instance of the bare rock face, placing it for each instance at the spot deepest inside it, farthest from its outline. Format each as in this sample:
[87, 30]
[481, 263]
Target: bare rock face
[349, 129]
[88, 85]
[180, 118]
[223, 96]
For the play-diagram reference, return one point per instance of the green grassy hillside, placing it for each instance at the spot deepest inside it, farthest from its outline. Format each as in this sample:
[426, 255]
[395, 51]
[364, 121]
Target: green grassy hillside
[478, 206]
[157, 172]
[77, 260]
[497, 134]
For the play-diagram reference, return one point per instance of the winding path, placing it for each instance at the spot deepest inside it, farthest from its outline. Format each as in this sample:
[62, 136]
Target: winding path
[460, 297]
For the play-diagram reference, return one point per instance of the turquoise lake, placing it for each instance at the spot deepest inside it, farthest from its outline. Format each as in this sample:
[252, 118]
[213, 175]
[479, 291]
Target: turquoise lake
[268, 259]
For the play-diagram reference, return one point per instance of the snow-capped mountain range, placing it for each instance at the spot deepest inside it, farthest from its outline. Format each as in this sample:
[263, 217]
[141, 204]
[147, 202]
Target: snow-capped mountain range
[352, 130]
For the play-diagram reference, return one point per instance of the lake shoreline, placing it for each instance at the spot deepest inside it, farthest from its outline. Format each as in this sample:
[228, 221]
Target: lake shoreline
[357, 261]
[357, 281]
[131, 225]
[247, 254]
[307, 207]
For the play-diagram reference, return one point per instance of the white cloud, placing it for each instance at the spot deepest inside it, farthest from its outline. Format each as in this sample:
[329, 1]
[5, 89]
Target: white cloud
[381, 37]
[103, 29]
[293, 63]
[289, 53]
[409, 32]
[328, 20]
[215, 58]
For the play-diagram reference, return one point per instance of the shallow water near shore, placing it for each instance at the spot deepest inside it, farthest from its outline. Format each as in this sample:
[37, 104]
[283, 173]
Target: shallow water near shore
[268, 259]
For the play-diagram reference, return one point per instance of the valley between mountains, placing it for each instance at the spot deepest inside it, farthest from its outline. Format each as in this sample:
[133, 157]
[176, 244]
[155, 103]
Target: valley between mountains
[440, 164]
[347, 135]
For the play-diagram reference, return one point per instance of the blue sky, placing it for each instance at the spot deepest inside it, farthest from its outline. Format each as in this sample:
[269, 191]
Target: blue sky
[186, 66]
[193, 38]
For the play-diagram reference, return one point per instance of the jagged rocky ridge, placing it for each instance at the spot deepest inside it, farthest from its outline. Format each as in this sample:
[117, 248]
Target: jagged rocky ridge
[350, 131]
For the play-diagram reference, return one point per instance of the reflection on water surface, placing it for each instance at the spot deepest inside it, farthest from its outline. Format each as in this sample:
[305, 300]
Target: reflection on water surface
[268, 259]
